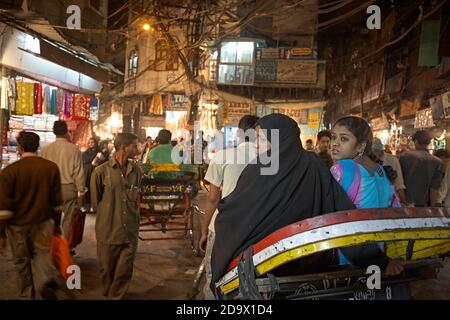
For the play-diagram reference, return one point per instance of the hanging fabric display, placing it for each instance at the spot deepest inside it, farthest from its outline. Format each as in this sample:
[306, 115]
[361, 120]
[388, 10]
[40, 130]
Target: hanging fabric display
[4, 95]
[207, 119]
[38, 98]
[53, 102]
[67, 104]
[25, 98]
[46, 100]
[156, 106]
[59, 101]
[5, 127]
[81, 107]
[93, 109]
[12, 94]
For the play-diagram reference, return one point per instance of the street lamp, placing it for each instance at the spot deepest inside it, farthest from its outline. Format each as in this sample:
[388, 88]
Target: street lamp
[147, 27]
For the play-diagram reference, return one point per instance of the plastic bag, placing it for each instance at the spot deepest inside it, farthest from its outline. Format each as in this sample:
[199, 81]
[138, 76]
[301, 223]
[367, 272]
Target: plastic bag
[61, 255]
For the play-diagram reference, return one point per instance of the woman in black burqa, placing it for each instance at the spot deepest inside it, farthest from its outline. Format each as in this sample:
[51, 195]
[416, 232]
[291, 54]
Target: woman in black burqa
[261, 204]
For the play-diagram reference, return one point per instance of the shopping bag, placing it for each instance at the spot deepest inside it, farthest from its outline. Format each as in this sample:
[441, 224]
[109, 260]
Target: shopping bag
[61, 254]
[76, 229]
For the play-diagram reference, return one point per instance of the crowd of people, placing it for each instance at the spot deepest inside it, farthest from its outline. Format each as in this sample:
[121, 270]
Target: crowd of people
[347, 169]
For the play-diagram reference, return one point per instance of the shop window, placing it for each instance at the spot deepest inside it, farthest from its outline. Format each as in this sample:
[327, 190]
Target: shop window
[166, 57]
[133, 64]
[236, 63]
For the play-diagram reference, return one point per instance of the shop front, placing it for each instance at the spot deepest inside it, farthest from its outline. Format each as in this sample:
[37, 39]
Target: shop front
[35, 92]
[31, 105]
[307, 114]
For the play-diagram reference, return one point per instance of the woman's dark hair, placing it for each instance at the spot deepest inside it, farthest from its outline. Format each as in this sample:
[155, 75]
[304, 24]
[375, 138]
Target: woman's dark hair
[360, 129]
[29, 141]
[60, 128]
[164, 136]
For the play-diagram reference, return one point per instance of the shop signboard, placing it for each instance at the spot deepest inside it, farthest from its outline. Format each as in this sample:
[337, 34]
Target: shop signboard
[299, 115]
[93, 114]
[233, 112]
[409, 108]
[176, 102]
[299, 71]
[446, 104]
[152, 121]
[424, 119]
[437, 107]
[303, 118]
[379, 123]
[269, 53]
[266, 70]
[314, 120]
[300, 51]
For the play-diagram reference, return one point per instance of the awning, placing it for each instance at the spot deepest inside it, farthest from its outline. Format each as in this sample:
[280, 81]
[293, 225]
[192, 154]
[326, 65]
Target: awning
[297, 105]
[213, 94]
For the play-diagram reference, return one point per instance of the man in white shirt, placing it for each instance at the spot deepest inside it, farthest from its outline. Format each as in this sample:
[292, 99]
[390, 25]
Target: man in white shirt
[392, 161]
[68, 158]
[223, 173]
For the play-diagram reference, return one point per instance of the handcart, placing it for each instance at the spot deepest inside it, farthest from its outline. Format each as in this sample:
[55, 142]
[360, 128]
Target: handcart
[274, 268]
[166, 203]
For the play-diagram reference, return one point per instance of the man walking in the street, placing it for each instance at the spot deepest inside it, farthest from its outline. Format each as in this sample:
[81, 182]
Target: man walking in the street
[323, 147]
[224, 171]
[30, 191]
[114, 193]
[392, 161]
[68, 158]
[422, 173]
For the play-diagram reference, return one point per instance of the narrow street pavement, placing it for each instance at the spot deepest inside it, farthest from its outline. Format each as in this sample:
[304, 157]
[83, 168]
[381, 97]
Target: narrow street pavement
[166, 270]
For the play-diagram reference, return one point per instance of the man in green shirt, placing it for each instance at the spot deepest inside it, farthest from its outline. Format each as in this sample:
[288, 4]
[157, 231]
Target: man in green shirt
[114, 196]
[164, 154]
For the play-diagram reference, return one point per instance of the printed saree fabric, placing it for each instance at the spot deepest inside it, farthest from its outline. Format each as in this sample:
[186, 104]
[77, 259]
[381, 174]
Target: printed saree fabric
[25, 98]
[156, 106]
[68, 104]
[38, 98]
[53, 102]
[81, 107]
[46, 100]
[59, 101]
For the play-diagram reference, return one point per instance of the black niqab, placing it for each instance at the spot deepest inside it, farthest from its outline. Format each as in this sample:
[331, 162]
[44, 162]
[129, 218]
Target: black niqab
[261, 204]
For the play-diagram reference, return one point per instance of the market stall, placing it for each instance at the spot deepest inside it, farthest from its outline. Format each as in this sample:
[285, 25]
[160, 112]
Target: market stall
[34, 106]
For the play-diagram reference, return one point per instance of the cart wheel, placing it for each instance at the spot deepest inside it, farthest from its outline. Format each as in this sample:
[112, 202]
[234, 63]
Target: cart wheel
[195, 224]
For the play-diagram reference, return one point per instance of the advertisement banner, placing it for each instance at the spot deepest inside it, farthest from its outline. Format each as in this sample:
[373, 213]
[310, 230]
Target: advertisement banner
[300, 71]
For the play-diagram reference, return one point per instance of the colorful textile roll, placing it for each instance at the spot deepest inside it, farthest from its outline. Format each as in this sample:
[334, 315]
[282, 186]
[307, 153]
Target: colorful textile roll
[38, 98]
[81, 107]
[68, 105]
[25, 98]
[53, 102]
[46, 100]
[59, 101]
